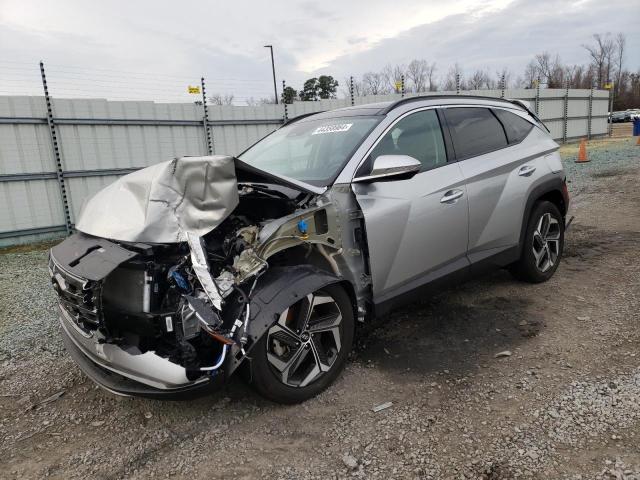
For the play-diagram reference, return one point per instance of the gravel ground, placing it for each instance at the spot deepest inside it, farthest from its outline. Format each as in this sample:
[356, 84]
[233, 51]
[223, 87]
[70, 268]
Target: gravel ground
[565, 403]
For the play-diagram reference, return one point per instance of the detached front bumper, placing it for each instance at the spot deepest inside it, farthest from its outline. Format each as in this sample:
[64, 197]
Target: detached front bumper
[130, 373]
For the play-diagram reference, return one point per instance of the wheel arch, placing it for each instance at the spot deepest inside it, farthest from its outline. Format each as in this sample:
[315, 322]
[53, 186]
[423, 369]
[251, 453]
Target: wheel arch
[551, 191]
[276, 290]
[310, 255]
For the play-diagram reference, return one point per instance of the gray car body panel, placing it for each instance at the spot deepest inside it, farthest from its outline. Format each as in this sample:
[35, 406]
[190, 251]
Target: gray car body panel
[409, 232]
[414, 239]
[498, 193]
[146, 368]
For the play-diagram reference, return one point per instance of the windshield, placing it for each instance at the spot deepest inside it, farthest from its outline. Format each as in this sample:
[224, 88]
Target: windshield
[311, 151]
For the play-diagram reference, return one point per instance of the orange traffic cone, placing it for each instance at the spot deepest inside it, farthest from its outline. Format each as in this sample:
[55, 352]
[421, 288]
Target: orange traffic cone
[638, 142]
[582, 152]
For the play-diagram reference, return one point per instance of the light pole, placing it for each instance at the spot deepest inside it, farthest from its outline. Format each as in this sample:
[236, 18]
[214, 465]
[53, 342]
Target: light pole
[273, 69]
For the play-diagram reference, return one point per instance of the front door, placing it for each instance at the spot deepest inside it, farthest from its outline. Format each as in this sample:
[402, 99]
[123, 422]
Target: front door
[417, 228]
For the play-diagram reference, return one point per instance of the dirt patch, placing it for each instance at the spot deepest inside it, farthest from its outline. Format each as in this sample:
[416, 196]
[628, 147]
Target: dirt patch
[447, 333]
[563, 403]
[30, 247]
[606, 173]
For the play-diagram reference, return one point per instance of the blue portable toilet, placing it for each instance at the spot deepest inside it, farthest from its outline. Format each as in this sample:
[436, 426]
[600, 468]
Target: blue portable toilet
[636, 127]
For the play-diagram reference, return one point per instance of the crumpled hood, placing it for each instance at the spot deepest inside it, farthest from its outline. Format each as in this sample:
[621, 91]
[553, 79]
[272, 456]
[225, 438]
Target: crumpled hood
[160, 203]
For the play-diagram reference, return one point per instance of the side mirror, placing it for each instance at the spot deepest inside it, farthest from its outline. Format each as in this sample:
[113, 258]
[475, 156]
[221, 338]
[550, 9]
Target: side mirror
[391, 167]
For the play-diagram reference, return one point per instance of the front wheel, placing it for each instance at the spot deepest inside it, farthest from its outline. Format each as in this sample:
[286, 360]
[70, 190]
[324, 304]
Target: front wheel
[543, 244]
[306, 349]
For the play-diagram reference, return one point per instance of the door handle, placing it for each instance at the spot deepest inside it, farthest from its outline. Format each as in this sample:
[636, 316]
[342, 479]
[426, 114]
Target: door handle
[526, 171]
[451, 196]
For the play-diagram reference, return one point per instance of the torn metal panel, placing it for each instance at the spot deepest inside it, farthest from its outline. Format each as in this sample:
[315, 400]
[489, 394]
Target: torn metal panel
[279, 288]
[161, 203]
[319, 225]
[351, 259]
[201, 268]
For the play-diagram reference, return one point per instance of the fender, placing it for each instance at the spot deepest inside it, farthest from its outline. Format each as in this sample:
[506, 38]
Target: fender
[551, 185]
[276, 290]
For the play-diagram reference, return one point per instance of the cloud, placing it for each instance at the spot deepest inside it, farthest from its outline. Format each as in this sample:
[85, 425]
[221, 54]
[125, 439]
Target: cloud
[508, 38]
[101, 47]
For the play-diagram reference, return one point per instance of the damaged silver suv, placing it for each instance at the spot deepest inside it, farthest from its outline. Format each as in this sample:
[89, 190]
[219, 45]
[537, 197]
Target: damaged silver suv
[186, 271]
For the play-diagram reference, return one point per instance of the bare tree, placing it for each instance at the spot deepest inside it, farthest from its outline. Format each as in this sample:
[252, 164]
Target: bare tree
[450, 79]
[218, 99]
[478, 80]
[374, 84]
[358, 87]
[431, 73]
[621, 43]
[503, 74]
[601, 54]
[543, 65]
[254, 102]
[421, 74]
[531, 74]
[393, 76]
[550, 70]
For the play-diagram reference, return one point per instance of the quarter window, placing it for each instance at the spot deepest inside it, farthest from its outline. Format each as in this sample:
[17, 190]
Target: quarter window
[517, 128]
[475, 131]
[417, 135]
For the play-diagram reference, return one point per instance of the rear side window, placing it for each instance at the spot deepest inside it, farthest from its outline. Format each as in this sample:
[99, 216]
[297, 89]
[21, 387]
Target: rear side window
[475, 131]
[516, 127]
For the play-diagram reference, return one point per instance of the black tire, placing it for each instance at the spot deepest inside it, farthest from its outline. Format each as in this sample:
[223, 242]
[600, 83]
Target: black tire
[264, 377]
[528, 268]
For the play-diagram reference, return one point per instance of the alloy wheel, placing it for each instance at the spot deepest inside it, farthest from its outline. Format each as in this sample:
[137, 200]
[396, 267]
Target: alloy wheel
[305, 342]
[546, 242]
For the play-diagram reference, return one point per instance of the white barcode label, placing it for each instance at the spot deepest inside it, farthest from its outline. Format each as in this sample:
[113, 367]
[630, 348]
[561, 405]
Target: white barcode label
[342, 127]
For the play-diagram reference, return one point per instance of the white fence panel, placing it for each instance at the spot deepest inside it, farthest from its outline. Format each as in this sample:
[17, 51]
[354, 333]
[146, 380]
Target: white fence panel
[101, 139]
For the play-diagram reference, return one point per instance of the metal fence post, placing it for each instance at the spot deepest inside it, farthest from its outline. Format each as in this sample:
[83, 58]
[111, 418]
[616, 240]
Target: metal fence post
[590, 112]
[457, 84]
[56, 153]
[565, 113]
[502, 86]
[402, 85]
[284, 102]
[610, 90]
[351, 91]
[205, 120]
[538, 96]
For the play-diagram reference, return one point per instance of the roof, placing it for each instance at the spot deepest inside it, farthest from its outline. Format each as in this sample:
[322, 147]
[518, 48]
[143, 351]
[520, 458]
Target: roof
[441, 99]
[383, 108]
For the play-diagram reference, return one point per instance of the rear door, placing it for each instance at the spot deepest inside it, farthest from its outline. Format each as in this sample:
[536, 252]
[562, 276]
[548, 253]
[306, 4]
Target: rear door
[417, 227]
[497, 174]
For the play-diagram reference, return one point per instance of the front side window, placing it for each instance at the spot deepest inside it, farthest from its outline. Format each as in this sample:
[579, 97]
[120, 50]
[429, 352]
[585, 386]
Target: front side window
[417, 135]
[475, 131]
[311, 151]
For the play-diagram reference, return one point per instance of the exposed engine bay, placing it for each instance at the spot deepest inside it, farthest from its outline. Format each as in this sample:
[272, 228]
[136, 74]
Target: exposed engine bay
[189, 301]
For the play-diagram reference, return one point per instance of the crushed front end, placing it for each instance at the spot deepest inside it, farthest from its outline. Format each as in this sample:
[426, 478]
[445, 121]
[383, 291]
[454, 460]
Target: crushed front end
[168, 319]
[126, 319]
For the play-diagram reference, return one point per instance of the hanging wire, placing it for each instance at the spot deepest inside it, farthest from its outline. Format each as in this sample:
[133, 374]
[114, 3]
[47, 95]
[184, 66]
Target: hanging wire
[65, 81]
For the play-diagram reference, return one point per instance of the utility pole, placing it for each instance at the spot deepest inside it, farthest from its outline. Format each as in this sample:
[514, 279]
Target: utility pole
[273, 69]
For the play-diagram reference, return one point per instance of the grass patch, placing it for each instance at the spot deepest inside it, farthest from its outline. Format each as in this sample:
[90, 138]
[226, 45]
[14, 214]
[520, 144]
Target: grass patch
[29, 247]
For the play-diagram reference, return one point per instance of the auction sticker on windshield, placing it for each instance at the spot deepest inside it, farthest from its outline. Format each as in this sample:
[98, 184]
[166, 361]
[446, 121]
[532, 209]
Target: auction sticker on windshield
[342, 127]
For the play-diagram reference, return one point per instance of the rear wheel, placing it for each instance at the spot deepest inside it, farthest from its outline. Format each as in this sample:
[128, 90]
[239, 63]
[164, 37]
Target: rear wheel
[305, 350]
[543, 244]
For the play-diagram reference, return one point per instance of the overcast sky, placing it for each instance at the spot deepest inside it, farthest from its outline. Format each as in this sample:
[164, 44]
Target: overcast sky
[95, 45]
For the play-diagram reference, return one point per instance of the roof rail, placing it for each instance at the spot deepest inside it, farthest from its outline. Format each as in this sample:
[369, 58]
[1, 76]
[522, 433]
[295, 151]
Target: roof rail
[405, 100]
[300, 117]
